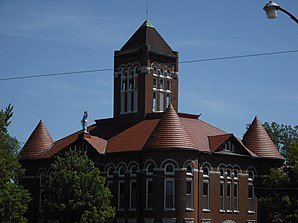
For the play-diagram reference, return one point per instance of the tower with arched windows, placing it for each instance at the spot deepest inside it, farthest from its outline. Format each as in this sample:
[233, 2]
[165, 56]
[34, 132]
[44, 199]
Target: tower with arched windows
[145, 75]
[161, 166]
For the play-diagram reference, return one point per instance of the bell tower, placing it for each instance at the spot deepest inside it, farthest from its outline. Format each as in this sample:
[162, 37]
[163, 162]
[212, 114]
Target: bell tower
[145, 75]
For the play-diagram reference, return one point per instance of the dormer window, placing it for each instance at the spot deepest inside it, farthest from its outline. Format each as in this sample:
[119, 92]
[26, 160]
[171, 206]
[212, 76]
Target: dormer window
[229, 147]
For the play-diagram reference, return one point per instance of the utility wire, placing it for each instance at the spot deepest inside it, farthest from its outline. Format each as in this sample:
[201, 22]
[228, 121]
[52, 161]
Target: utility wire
[182, 62]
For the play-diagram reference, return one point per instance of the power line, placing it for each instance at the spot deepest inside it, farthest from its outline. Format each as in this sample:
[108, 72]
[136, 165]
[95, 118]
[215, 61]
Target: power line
[182, 62]
[240, 56]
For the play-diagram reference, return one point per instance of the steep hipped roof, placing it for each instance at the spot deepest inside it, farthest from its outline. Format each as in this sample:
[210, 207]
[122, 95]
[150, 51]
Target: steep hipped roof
[258, 141]
[170, 133]
[38, 142]
[147, 35]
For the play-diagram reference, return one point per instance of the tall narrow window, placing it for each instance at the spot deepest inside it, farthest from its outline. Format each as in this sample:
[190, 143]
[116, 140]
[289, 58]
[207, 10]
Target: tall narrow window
[149, 186]
[189, 187]
[221, 196]
[169, 187]
[129, 91]
[133, 194]
[168, 99]
[206, 194]
[121, 195]
[154, 105]
[161, 83]
[236, 196]
[42, 184]
[169, 85]
[250, 191]
[189, 193]
[149, 192]
[169, 194]
[161, 101]
[154, 83]
[229, 199]
[250, 197]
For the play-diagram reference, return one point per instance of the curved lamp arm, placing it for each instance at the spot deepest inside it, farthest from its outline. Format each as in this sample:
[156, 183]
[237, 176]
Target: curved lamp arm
[272, 8]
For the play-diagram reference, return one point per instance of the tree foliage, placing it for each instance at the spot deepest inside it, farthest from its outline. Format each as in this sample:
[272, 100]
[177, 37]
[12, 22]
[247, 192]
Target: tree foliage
[13, 198]
[76, 191]
[280, 199]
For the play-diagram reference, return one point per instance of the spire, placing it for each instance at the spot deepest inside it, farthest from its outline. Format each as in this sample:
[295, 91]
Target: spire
[38, 142]
[170, 133]
[259, 142]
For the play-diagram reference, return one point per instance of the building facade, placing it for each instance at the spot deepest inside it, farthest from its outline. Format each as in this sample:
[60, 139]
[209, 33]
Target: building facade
[161, 166]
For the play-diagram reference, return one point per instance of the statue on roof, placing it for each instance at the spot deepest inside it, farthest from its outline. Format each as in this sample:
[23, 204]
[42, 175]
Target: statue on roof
[84, 121]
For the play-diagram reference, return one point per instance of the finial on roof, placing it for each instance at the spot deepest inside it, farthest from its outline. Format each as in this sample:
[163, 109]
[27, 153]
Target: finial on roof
[147, 23]
[84, 121]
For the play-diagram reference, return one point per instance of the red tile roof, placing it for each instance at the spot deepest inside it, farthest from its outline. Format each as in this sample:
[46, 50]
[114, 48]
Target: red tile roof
[218, 140]
[38, 142]
[166, 130]
[199, 132]
[258, 141]
[170, 132]
[133, 138]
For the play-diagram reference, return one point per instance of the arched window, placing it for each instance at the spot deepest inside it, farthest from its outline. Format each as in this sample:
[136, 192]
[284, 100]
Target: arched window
[189, 188]
[110, 172]
[169, 169]
[206, 188]
[133, 170]
[121, 187]
[121, 171]
[149, 185]
[251, 191]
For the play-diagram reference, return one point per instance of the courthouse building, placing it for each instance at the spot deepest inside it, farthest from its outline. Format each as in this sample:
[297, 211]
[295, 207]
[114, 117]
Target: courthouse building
[161, 166]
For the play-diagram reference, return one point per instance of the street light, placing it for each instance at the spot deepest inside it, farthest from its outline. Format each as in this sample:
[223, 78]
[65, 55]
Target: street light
[272, 8]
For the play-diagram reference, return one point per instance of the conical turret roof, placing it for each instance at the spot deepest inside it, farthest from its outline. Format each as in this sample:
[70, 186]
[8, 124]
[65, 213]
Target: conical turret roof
[258, 141]
[38, 142]
[170, 133]
[147, 35]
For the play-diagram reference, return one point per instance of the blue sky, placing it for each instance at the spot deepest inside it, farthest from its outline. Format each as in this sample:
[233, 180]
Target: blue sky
[41, 37]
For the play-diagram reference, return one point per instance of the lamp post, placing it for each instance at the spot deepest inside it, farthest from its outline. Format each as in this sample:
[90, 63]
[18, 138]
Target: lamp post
[272, 8]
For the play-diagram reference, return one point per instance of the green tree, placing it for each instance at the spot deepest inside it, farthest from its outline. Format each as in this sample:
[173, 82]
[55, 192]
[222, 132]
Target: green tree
[280, 197]
[13, 198]
[76, 191]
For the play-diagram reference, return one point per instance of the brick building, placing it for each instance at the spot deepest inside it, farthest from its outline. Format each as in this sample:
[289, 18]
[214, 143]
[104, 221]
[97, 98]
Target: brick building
[161, 166]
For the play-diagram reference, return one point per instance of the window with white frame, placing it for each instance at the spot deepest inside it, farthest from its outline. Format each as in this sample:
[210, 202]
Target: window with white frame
[229, 147]
[221, 196]
[236, 195]
[250, 191]
[161, 85]
[206, 189]
[169, 187]
[189, 188]
[129, 90]
[229, 198]
[154, 101]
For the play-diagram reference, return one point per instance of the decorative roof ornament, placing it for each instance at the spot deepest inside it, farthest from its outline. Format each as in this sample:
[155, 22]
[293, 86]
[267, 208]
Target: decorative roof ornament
[84, 122]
